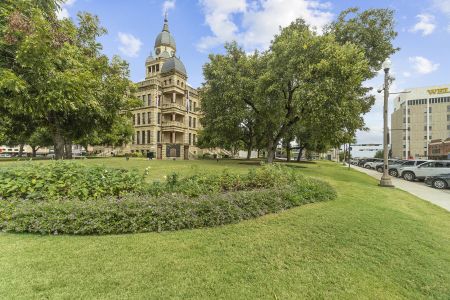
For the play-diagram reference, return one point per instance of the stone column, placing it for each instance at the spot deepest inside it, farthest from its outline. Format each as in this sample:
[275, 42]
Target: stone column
[173, 137]
[174, 97]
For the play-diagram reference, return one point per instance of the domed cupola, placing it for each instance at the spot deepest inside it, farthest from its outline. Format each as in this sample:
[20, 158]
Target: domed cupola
[173, 65]
[165, 41]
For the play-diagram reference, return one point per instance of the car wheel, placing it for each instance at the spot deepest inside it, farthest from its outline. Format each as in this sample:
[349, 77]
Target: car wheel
[367, 167]
[439, 184]
[379, 169]
[393, 173]
[409, 176]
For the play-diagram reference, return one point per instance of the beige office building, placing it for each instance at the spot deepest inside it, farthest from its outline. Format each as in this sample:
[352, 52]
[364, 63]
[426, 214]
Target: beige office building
[167, 123]
[420, 115]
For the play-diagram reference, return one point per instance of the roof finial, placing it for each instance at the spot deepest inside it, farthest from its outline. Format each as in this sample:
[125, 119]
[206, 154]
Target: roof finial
[165, 16]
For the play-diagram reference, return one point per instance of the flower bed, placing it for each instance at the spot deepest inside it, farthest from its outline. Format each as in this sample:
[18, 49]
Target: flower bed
[179, 203]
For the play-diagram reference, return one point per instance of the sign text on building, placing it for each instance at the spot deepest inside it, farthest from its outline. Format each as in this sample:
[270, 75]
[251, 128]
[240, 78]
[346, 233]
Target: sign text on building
[438, 91]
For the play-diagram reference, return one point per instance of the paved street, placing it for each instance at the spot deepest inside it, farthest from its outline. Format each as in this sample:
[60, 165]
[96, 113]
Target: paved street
[419, 189]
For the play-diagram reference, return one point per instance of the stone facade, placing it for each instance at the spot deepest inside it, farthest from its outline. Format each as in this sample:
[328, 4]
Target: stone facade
[420, 116]
[167, 122]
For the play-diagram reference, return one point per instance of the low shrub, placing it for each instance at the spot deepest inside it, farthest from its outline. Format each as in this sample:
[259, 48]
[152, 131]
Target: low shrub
[137, 213]
[66, 179]
[178, 203]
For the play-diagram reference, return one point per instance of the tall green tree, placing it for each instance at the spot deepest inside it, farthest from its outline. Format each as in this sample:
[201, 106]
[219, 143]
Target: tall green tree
[60, 78]
[305, 78]
[228, 120]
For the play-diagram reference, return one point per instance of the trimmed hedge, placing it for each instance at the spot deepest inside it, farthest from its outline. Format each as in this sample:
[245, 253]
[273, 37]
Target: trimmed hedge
[137, 213]
[193, 202]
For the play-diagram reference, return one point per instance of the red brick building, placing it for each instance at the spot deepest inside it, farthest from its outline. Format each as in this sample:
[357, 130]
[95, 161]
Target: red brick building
[439, 149]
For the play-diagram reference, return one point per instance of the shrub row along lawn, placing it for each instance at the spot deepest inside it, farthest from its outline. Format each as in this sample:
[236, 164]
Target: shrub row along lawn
[68, 198]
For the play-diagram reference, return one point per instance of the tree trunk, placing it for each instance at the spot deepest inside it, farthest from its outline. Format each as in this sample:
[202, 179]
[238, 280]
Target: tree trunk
[68, 150]
[21, 150]
[34, 150]
[271, 148]
[58, 141]
[300, 153]
[288, 152]
[249, 152]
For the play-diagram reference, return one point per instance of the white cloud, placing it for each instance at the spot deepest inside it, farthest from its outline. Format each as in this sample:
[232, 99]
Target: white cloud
[406, 74]
[442, 6]
[426, 24]
[422, 65]
[63, 13]
[130, 45]
[168, 5]
[259, 20]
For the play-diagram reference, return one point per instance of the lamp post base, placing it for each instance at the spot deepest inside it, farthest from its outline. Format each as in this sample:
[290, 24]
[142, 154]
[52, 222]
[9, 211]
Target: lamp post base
[386, 181]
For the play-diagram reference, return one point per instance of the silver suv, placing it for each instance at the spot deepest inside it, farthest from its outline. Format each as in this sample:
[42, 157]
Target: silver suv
[430, 168]
[394, 170]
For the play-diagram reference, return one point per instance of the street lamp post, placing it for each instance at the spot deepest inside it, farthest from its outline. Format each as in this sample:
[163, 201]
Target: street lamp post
[386, 179]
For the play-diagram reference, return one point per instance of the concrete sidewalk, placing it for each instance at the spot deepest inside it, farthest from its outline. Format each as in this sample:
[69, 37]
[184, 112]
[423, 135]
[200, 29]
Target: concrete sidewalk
[419, 189]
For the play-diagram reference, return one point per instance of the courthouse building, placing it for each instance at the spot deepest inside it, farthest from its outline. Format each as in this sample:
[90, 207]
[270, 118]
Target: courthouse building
[167, 122]
[421, 115]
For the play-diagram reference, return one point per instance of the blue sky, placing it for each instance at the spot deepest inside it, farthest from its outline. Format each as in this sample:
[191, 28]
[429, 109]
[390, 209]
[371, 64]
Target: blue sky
[202, 26]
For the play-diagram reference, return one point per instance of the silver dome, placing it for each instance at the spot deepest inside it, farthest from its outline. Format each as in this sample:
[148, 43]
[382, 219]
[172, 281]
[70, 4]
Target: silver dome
[164, 38]
[173, 64]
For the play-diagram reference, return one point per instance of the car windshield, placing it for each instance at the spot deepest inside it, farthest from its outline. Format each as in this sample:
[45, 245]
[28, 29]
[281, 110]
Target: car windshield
[408, 163]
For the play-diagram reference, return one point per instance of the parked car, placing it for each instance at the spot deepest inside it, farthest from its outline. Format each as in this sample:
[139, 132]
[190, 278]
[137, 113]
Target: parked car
[394, 170]
[5, 155]
[363, 161]
[391, 162]
[430, 168]
[371, 164]
[439, 181]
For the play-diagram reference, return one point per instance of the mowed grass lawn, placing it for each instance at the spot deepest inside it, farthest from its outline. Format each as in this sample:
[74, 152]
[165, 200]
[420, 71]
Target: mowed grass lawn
[369, 243]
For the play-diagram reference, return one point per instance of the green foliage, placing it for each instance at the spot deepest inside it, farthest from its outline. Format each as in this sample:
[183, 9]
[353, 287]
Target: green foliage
[256, 101]
[179, 203]
[59, 78]
[66, 181]
[379, 154]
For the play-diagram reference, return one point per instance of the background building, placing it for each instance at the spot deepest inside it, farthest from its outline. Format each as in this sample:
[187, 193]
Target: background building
[420, 115]
[167, 123]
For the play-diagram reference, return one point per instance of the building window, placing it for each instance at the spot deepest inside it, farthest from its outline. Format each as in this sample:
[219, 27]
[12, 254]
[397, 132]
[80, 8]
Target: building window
[178, 82]
[159, 118]
[149, 119]
[195, 122]
[165, 82]
[190, 139]
[143, 118]
[139, 119]
[133, 138]
[448, 117]
[148, 137]
[158, 137]
[170, 80]
[149, 98]
[159, 100]
[448, 108]
[194, 139]
[134, 119]
[143, 137]
[190, 121]
[190, 105]
[137, 137]
[143, 100]
[157, 68]
[448, 127]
